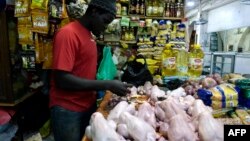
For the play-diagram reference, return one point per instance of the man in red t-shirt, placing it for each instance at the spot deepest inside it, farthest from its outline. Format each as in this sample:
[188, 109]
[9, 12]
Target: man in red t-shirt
[73, 86]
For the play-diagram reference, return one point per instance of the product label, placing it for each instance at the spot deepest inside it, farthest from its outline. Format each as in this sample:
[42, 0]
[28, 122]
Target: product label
[195, 64]
[169, 63]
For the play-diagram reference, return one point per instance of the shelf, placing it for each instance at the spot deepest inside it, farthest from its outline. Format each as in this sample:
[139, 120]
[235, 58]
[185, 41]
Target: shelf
[151, 17]
[181, 43]
[16, 102]
[115, 42]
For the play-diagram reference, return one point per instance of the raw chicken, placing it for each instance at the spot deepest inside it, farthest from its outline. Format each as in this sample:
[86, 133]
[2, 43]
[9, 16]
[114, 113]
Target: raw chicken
[138, 129]
[179, 130]
[164, 127]
[88, 132]
[198, 108]
[172, 108]
[131, 108]
[177, 92]
[159, 113]
[112, 124]
[146, 112]
[162, 139]
[116, 112]
[133, 91]
[209, 128]
[147, 88]
[155, 93]
[99, 128]
[123, 130]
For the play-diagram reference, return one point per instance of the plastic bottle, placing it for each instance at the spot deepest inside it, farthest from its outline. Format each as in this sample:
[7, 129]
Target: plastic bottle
[195, 65]
[182, 62]
[168, 61]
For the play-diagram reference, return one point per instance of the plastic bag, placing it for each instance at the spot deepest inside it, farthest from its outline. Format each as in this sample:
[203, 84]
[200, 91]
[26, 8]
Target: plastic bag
[136, 73]
[107, 69]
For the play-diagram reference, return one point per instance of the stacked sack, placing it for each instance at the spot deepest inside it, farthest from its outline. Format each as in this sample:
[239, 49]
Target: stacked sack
[221, 96]
[244, 94]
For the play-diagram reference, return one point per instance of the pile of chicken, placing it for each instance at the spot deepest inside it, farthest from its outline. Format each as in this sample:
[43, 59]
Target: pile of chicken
[179, 117]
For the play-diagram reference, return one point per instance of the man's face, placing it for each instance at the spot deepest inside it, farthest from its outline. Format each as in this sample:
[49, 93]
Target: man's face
[100, 22]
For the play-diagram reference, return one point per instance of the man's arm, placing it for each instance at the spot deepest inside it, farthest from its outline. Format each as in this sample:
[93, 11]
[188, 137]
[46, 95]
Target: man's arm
[65, 80]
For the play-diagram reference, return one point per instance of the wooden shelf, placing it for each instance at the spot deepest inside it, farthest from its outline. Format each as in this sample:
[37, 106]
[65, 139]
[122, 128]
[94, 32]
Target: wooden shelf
[16, 102]
[151, 17]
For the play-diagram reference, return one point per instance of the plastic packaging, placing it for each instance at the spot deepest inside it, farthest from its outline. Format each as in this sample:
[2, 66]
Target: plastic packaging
[195, 64]
[168, 61]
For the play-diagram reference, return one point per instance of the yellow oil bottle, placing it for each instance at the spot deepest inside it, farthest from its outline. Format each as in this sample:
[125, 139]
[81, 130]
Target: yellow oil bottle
[195, 65]
[168, 61]
[182, 61]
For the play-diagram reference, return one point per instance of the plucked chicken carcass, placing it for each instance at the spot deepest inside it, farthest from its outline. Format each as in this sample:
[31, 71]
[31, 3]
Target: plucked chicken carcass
[146, 112]
[116, 112]
[172, 108]
[159, 112]
[123, 130]
[210, 129]
[156, 92]
[179, 130]
[138, 129]
[163, 130]
[97, 131]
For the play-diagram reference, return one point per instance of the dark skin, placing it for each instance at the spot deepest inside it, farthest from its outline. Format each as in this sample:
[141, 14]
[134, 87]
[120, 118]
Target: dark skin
[95, 21]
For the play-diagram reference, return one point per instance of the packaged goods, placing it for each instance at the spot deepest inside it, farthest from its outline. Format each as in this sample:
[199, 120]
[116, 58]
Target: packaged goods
[195, 63]
[243, 115]
[22, 8]
[168, 61]
[224, 92]
[222, 104]
[40, 22]
[182, 62]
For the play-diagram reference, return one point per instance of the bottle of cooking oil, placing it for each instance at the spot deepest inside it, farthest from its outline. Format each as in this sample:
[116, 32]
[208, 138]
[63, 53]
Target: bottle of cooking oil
[195, 64]
[168, 61]
[182, 61]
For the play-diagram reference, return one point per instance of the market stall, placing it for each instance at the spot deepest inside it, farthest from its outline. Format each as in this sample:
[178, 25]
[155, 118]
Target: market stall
[149, 112]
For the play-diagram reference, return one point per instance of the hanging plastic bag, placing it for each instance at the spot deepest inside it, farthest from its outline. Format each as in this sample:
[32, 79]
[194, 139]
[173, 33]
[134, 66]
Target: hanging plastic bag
[107, 69]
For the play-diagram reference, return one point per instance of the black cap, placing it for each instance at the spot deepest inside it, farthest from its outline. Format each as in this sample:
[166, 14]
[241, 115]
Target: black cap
[107, 5]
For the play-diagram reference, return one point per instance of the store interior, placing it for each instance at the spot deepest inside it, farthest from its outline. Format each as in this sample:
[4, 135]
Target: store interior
[196, 54]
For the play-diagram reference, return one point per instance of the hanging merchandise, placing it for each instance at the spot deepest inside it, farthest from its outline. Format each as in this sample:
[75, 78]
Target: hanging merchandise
[25, 36]
[40, 21]
[28, 61]
[55, 9]
[48, 53]
[195, 65]
[107, 69]
[39, 4]
[24, 21]
[39, 48]
[22, 8]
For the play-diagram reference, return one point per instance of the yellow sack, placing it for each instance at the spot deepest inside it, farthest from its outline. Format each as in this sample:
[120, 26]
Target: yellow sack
[224, 92]
[227, 104]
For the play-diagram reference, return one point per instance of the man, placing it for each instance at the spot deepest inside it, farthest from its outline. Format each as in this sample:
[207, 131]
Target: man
[72, 94]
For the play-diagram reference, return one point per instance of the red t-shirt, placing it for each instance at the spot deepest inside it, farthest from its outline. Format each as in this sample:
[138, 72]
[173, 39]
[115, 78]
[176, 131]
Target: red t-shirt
[74, 51]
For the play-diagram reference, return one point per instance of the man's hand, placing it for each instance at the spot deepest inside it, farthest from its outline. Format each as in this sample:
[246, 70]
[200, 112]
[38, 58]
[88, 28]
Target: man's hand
[119, 88]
